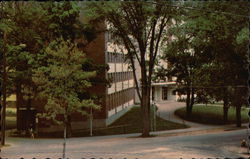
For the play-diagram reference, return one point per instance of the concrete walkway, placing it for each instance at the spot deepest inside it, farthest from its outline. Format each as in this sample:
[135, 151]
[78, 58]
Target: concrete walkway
[166, 111]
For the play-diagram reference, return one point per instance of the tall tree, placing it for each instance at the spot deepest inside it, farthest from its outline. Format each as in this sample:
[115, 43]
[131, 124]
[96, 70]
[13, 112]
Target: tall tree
[228, 67]
[31, 28]
[61, 79]
[139, 27]
[212, 31]
[181, 55]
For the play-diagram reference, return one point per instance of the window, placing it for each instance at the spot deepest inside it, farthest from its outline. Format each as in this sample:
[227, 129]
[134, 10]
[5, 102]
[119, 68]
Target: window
[108, 102]
[123, 76]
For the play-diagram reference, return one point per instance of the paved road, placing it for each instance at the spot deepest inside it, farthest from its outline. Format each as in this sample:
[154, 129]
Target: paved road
[219, 144]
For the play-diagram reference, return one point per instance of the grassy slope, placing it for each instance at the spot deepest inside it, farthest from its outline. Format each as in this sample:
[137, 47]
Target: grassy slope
[129, 123]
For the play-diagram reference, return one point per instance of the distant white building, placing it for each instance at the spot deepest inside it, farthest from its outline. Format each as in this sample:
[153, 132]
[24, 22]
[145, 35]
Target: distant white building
[164, 89]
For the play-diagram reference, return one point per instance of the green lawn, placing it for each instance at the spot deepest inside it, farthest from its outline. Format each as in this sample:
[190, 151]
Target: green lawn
[10, 118]
[212, 114]
[11, 112]
[129, 123]
[10, 122]
[133, 124]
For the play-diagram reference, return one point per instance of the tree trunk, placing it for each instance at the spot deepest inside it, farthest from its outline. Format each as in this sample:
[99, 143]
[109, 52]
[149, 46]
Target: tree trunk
[192, 101]
[225, 114]
[145, 105]
[28, 117]
[188, 102]
[18, 105]
[68, 126]
[238, 115]
[225, 109]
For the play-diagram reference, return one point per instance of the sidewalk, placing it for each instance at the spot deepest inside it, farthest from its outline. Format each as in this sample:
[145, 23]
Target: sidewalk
[166, 111]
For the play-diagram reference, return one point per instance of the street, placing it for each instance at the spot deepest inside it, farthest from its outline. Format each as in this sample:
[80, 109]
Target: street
[220, 145]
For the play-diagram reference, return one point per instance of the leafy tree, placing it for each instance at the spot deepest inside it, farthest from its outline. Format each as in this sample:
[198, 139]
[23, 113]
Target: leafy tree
[213, 31]
[139, 27]
[31, 26]
[183, 62]
[203, 97]
[60, 81]
[228, 67]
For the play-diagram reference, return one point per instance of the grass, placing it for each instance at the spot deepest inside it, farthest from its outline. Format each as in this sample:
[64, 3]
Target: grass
[10, 122]
[132, 123]
[212, 115]
[11, 112]
[129, 123]
[10, 118]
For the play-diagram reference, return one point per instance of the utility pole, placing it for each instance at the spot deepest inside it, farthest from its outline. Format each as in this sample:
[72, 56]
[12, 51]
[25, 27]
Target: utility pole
[3, 112]
[154, 107]
[91, 122]
[0, 115]
[65, 124]
[64, 141]
[248, 136]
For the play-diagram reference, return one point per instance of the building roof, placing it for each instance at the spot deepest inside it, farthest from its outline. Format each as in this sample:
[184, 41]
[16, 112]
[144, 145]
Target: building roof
[163, 83]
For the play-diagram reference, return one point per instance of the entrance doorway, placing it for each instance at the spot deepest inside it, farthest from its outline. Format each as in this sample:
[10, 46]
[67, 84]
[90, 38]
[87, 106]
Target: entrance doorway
[164, 93]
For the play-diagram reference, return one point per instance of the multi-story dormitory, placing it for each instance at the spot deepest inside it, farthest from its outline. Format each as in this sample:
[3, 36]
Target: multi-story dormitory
[121, 93]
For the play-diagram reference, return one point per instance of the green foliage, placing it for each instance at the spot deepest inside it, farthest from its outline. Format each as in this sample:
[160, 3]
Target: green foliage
[242, 37]
[63, 19]
[10, 112]
[30, 27]
[210, 50]
[61, 78]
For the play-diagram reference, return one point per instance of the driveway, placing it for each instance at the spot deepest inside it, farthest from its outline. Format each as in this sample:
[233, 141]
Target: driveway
[166, 110]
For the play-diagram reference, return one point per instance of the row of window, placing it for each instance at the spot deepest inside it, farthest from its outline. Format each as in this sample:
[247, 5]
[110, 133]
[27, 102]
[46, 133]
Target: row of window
[119, 98]
[120, 76]
[115, 57]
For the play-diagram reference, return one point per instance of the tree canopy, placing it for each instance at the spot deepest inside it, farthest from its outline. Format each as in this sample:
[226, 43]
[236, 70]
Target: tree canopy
[30, 28]
[209, 40]
[61, 79]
